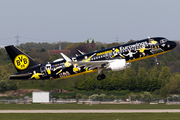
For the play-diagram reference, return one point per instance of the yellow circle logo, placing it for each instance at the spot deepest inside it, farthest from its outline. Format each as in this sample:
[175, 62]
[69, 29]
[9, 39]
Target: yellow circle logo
[21, 62]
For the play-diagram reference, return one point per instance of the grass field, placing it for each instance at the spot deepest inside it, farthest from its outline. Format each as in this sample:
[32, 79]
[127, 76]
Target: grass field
[96, 116]
[87, 116]
[84, 106]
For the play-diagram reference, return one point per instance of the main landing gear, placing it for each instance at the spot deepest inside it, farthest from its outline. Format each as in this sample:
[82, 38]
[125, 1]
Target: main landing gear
[156, 60]
[101, 75]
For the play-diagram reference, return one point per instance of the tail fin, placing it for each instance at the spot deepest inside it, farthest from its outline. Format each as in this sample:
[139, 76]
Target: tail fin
[21, 61]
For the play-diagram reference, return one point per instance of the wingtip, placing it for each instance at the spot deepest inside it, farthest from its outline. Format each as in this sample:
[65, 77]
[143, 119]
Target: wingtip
[66, 57]
[80, 52]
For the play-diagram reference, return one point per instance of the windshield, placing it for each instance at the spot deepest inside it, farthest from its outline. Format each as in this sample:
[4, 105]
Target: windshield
[163, 40]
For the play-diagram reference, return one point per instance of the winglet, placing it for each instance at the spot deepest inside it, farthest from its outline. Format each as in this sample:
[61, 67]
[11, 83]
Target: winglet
[66, 57]
[80, 52]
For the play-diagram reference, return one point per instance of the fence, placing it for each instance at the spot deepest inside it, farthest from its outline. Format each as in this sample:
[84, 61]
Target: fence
[91, 101]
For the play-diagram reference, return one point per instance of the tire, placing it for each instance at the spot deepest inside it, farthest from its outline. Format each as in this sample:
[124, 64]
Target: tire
[103, 76]
[99, 77]
[157, 63]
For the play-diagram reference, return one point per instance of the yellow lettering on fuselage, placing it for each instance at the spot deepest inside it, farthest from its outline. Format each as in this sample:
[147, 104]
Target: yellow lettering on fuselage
[105, 52]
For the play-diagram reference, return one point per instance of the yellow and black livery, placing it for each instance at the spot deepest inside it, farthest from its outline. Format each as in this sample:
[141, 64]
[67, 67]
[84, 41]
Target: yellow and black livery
[114, 58]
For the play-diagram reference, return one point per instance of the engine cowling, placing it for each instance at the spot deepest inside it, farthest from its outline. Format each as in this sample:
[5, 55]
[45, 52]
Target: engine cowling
[117, 65]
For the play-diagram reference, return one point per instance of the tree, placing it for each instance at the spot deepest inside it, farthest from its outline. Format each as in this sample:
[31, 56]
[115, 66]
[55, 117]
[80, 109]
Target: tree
[164, 90]
[130, 78]
[94, 96]
[112, 44]
[173, 83]
[78, 96]
[142, 79]
[129, 73]
[105, 84]
[133, 96]
[102, 96]
[164, 76]
[90, 84]
[3, 73]
[111, 97]
[147, 96]
[85, 97]
[154, 73]
[81, 85]
[153, 85]
[3, 85]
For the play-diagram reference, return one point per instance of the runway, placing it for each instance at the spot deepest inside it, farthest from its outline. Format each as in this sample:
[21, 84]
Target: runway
[94, 111]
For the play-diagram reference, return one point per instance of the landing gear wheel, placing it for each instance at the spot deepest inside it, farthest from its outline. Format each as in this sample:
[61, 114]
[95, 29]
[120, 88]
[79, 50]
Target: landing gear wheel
[100, 77]
[156, 60]
[103, 76]
[157, 63]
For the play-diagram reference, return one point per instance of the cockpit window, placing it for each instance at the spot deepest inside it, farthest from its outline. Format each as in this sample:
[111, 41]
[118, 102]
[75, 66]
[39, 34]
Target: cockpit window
[166, 40]
[163, 40]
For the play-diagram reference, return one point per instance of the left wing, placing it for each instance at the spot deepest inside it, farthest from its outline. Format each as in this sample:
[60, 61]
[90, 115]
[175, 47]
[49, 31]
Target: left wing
[114, 65]
[92, 64]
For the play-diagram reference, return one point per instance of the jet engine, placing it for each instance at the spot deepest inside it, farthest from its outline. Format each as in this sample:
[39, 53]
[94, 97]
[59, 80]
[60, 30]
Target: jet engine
[117, 65]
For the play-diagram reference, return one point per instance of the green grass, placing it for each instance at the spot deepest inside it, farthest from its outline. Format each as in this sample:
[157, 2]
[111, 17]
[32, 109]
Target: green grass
[83, 106]
[85, 116]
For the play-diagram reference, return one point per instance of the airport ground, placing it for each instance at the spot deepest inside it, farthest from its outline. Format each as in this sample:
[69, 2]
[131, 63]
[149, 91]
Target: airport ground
[91, 116]
[74, 106]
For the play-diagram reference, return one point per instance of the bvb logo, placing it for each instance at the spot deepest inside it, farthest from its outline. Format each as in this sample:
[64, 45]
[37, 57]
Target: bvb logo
[21, 62]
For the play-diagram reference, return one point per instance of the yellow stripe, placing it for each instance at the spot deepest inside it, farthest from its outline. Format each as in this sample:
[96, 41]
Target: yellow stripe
[73, 75]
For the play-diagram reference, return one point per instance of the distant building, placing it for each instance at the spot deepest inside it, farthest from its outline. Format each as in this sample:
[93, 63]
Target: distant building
[41, 97]
[91, 43]
[52, 52]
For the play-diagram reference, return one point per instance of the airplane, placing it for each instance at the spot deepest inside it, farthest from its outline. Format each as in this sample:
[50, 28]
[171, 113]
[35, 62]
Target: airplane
[115, 58]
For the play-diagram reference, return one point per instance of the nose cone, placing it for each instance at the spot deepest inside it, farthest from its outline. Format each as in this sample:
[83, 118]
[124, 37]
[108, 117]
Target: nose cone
[173, 44]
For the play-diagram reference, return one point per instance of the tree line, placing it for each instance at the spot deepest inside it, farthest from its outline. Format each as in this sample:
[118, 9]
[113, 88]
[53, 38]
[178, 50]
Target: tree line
[159, 80]
[144, 75]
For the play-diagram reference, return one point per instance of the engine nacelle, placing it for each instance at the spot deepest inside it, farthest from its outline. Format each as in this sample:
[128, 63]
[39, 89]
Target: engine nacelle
[117, 65]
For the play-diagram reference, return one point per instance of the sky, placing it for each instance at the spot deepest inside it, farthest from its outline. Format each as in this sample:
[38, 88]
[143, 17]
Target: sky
[105, 21]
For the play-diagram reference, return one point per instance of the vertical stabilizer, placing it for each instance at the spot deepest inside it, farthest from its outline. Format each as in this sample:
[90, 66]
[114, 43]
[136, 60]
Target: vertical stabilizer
[20, 60]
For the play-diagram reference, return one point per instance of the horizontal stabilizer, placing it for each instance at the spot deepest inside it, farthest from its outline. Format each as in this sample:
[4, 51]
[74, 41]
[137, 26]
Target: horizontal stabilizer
[16, 76]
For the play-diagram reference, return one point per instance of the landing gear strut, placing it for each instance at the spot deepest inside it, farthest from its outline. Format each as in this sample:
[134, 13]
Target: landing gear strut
[101, 75]
[156, 60]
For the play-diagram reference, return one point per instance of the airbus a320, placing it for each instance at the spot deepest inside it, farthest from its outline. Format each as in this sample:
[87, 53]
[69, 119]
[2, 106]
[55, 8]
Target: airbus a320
[115, 58]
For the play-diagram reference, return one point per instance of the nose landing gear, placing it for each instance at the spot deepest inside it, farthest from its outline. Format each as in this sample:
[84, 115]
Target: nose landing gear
[156, 60]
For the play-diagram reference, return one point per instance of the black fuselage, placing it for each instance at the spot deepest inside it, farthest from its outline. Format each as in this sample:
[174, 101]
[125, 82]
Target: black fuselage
[134, 51]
